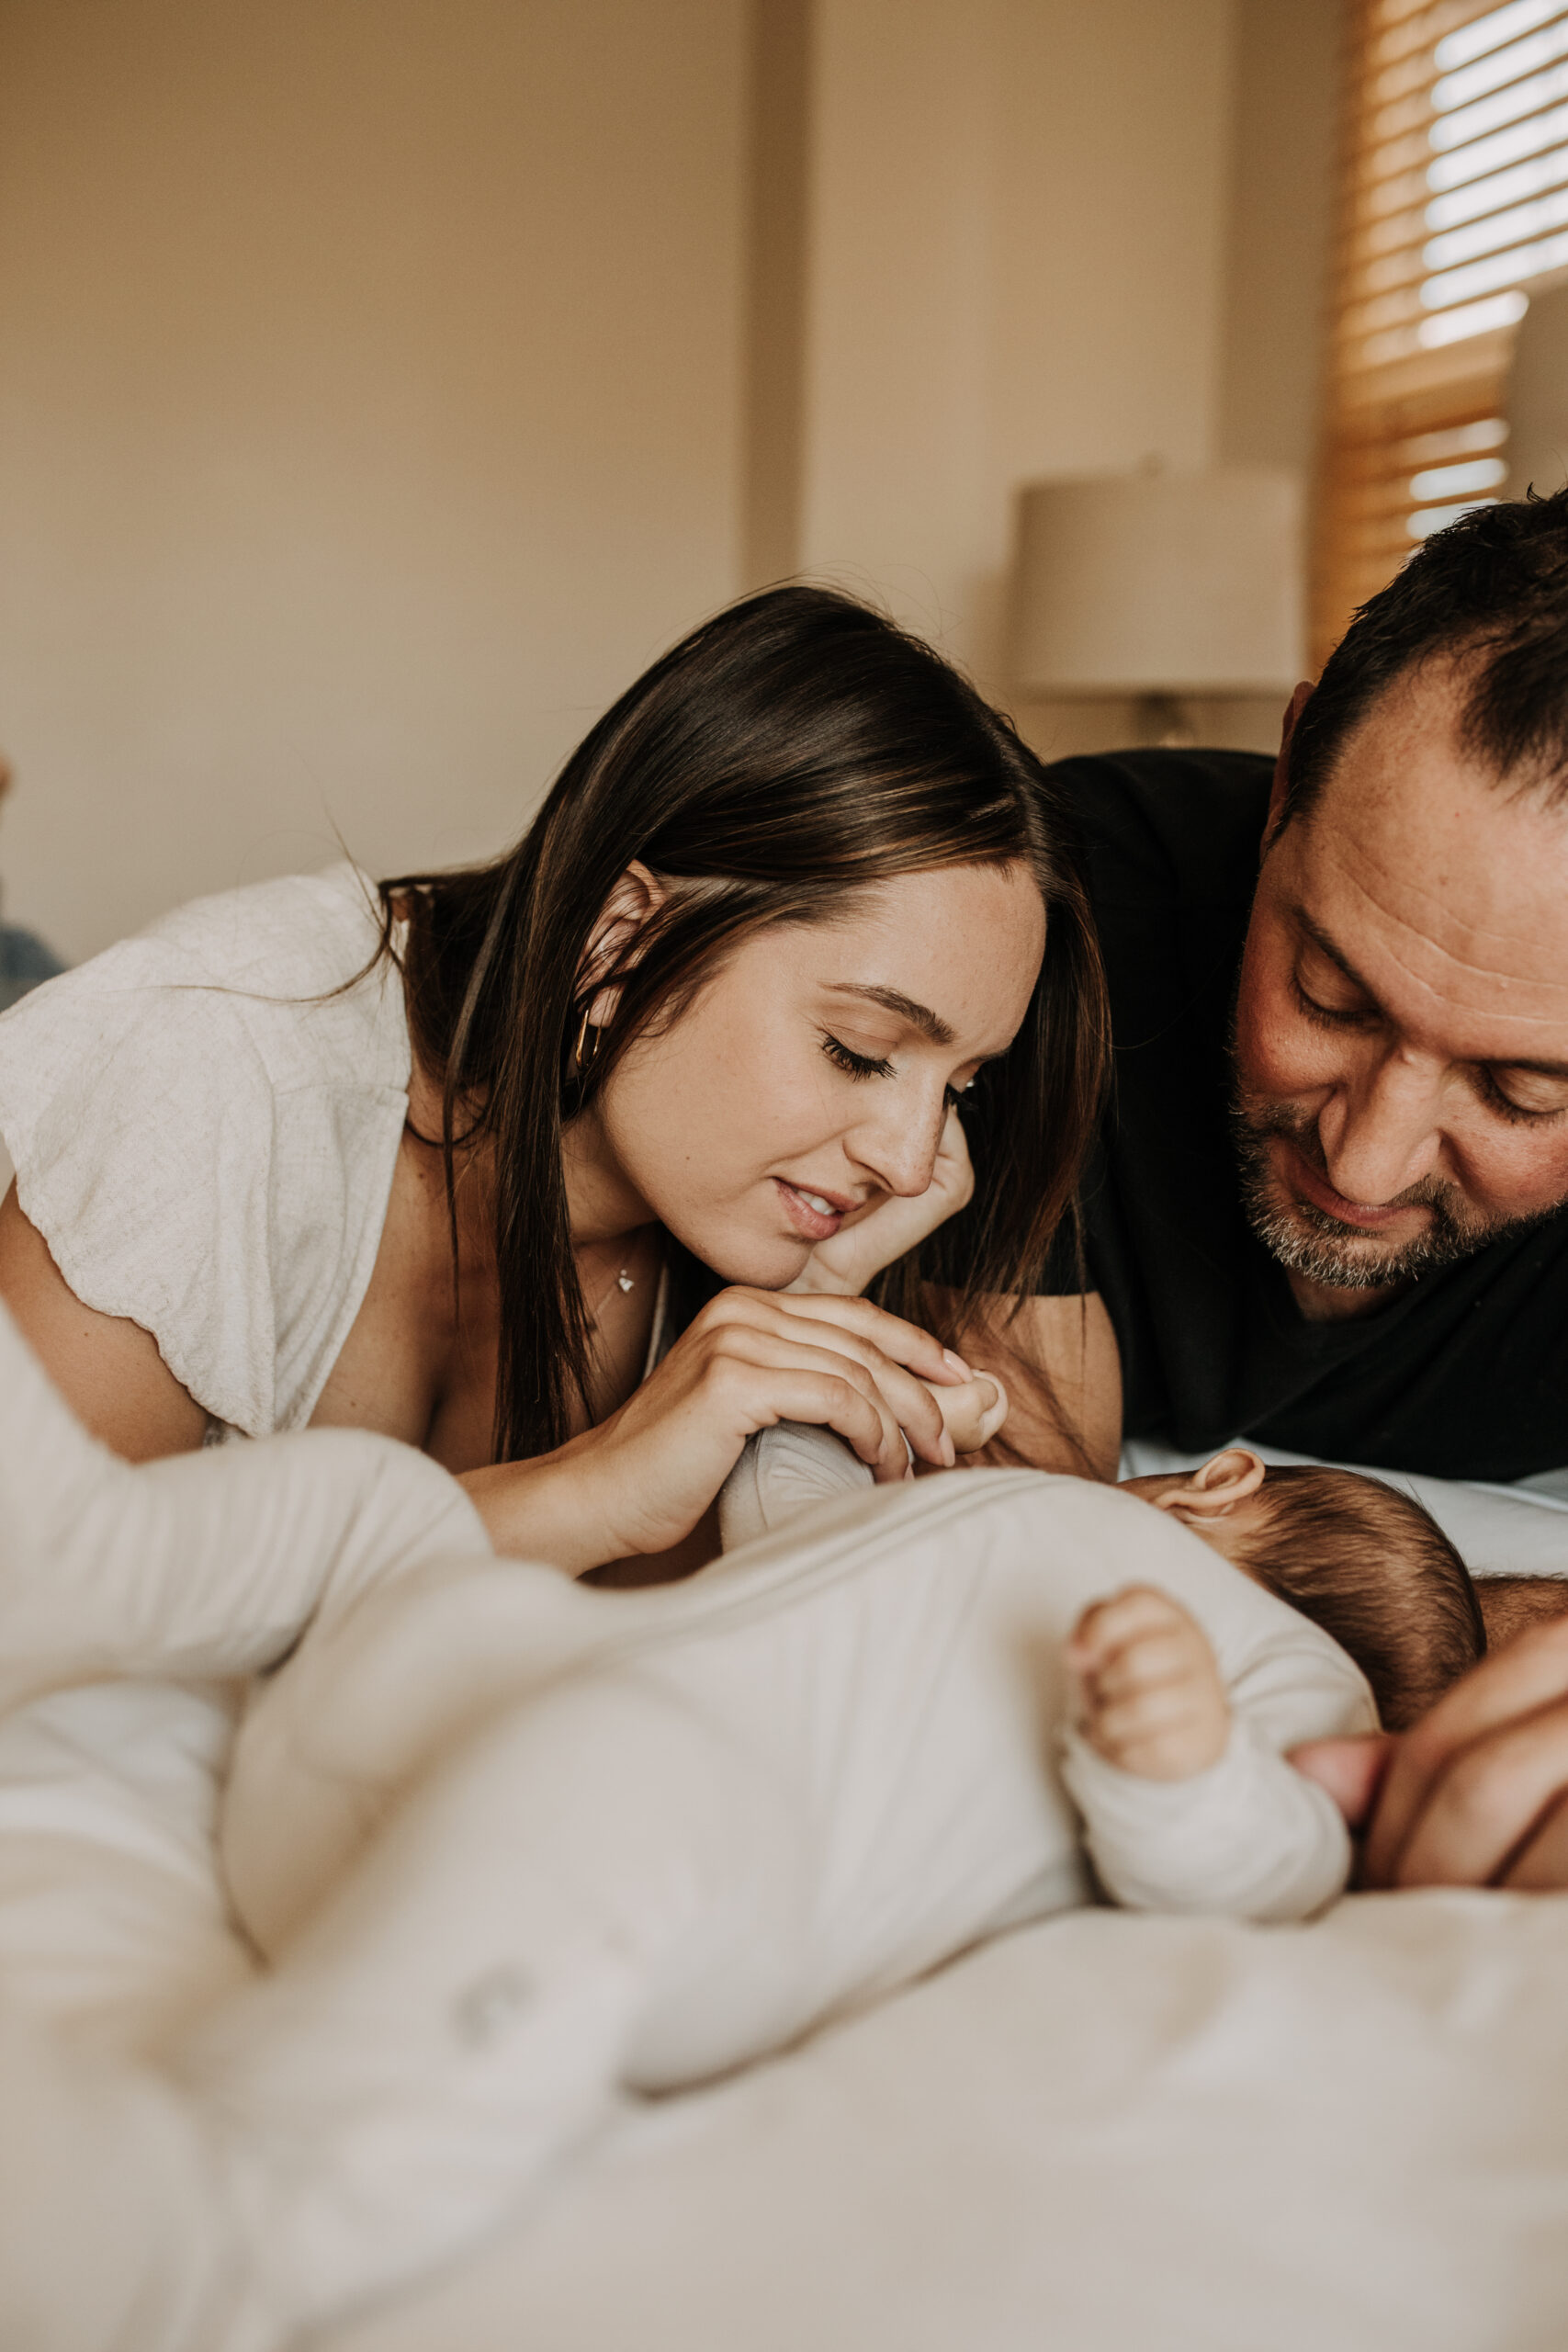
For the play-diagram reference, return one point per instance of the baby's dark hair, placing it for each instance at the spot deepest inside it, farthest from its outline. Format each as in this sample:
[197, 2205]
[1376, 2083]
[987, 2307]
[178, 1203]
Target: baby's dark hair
[1374, 1569]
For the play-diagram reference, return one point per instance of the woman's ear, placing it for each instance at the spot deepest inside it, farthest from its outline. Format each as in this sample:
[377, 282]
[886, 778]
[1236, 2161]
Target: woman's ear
[1208, 1493]
[637, 894]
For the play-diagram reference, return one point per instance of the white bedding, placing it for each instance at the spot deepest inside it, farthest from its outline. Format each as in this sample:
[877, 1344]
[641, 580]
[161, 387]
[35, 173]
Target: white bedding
[1104, 2133]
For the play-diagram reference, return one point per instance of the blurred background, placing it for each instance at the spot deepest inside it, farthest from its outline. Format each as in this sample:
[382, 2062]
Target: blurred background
[384, 382]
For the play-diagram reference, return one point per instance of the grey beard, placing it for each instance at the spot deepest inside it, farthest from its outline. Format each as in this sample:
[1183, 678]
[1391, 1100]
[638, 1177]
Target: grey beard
[1306, 1241]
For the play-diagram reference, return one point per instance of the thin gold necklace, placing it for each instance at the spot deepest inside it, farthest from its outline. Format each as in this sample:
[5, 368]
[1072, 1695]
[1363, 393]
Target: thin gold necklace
[621, 1281]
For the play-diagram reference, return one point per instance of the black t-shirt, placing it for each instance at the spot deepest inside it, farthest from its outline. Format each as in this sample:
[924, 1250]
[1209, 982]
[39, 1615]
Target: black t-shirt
[1464, 1375]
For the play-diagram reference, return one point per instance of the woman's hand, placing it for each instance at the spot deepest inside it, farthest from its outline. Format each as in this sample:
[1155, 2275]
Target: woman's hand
[639, 1482]
[848, 1265]
[1477, 1794]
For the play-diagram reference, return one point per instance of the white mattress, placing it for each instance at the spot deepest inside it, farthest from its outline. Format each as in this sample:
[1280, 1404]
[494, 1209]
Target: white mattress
[1103, 2133]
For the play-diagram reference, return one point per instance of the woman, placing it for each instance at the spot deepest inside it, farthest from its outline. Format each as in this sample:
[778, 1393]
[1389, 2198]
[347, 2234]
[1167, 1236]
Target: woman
[438, 1165]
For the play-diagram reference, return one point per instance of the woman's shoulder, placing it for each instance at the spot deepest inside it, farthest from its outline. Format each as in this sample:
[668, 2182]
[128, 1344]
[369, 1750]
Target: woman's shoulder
[285, 973]
[311, 929]
[204, 1121]
[287, 941]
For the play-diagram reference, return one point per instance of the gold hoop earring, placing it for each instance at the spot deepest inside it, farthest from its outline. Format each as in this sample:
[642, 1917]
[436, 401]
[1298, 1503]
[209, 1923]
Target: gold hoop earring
[583, 1062]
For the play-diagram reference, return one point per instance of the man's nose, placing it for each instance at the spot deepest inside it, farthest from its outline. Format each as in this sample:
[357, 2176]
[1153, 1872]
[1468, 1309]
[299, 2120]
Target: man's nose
[1382, 1133]
[898, 1150]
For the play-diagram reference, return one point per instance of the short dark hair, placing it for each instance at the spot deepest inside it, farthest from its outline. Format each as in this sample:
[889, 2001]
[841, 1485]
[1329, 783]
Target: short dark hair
[1374, 1569]
[1491, 592]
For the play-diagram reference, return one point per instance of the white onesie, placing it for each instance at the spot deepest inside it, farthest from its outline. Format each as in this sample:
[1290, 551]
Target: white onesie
[616, 1841]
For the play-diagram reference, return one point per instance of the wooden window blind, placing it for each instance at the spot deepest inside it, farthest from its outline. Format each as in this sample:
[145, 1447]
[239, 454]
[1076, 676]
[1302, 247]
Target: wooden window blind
[1454, 203]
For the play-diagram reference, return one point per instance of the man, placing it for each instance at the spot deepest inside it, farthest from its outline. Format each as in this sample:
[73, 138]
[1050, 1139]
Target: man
[1329, 1206]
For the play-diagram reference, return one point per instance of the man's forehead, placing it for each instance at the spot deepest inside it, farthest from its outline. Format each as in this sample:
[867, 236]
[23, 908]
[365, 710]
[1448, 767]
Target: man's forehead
[1447, 892]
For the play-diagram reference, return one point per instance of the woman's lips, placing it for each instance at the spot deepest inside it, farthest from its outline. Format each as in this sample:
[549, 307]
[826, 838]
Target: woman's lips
[1305, 1179]
[819, 1223]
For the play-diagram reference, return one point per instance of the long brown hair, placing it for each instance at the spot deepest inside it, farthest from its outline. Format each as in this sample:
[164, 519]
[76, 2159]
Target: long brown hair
[793, 750]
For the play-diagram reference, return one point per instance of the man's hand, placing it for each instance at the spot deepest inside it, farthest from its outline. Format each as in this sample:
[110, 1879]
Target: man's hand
[1153, 1701]
[1477, 1794]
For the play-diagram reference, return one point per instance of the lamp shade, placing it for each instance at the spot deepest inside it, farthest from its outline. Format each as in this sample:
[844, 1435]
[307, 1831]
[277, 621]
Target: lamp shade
[1538, 400]
[1160, 583]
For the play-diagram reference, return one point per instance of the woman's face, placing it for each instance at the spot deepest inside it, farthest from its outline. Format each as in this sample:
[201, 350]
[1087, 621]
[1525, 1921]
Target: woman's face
[812, 1075]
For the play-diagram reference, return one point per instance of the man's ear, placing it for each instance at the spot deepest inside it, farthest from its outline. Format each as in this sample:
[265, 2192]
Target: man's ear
[638, 894]
[1209, 1492]
[1293, 710]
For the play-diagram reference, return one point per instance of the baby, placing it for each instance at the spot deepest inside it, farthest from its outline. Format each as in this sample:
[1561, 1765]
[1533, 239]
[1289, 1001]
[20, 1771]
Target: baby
[1368, 1564]
[625, 1842]
[515, 1844]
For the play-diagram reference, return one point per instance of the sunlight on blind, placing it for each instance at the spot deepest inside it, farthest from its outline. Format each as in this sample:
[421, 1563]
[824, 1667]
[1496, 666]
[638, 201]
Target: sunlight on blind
[1454, 204]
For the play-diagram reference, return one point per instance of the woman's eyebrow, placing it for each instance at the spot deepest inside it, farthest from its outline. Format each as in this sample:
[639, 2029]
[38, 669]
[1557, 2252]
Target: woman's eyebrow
[918, 1016]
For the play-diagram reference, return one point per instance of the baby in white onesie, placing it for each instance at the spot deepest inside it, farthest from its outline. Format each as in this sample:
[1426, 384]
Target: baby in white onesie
[515, 1847]
[1368, 1564]
[523, 1846]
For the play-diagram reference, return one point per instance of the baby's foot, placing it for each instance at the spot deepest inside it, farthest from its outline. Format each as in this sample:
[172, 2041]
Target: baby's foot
[972, 1413]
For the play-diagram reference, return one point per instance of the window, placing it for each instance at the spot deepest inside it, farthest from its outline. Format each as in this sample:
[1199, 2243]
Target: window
[1454, 204]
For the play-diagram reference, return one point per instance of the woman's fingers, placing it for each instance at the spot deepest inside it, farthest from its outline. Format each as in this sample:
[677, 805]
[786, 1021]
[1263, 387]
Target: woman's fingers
[837, 1405]
[751, 1359]
[768, 1378]
[953, 1178]
[879, 1236]
[856, 1337]
[1444, 1759]
[900, 1342]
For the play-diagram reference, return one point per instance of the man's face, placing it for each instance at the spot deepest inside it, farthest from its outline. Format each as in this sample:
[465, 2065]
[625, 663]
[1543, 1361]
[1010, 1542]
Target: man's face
[1401, 1041]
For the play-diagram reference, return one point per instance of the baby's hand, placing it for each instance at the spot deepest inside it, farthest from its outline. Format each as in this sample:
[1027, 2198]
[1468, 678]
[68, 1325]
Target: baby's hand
[1153, 1701]
[972, 1413]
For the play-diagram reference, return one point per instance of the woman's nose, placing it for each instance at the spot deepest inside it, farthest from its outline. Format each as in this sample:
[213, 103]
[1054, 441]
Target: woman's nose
[898, 1150]
[1383, 1131]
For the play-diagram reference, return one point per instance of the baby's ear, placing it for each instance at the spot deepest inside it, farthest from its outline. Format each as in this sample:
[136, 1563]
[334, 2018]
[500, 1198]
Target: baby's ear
[1207, 1493]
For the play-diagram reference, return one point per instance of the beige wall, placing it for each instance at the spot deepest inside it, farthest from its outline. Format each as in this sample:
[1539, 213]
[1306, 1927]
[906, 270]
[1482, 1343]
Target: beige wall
[383, 382]
[369, 415]
[1051, 238]
[1284, 136]
[1018, 244]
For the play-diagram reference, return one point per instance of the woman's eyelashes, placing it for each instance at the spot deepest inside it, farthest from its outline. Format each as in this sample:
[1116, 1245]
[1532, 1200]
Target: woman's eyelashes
[858, 1065]
[854, 1065]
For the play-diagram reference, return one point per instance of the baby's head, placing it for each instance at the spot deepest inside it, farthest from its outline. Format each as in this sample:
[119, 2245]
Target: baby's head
[1363, 1561]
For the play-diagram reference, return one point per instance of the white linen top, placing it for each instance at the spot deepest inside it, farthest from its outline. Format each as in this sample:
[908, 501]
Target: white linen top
[204, 1121]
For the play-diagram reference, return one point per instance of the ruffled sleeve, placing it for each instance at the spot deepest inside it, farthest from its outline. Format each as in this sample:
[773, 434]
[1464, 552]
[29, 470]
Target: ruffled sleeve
[205, 1136]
